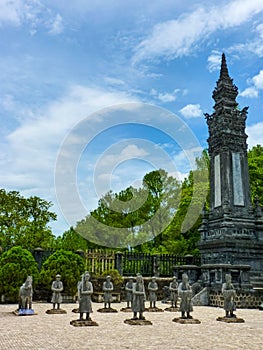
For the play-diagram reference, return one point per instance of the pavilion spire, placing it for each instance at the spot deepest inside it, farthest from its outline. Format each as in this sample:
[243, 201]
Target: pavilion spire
[224, 70]
[226, 91]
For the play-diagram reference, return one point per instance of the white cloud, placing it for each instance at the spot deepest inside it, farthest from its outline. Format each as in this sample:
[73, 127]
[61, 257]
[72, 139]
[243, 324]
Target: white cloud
[259, 29]
[166, 96]
[257, 84]
[56, 25]
[32, 12]
[176, 38]
[258, 80]
[28, 154]
[10, 12]
[114, 81]
[250, 92]
[214, 61]
[191, 111]
[255, 134]
[254, 45]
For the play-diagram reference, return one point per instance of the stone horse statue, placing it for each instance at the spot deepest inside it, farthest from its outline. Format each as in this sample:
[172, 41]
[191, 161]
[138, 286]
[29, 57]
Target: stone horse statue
[25, 294]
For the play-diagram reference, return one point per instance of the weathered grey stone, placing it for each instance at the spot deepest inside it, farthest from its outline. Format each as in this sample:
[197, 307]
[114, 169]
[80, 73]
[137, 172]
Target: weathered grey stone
[185, 293]
[173, 288]
[57, 288]
[201, 298]
[85, 290]
[232, 229]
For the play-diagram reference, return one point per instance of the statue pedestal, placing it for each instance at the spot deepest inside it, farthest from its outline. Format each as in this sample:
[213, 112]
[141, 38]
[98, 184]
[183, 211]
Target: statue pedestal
[56, 311]
[231, 319]
[186, 320]
[107, 310]
[24, 312]
[138, 322]
[83, 323]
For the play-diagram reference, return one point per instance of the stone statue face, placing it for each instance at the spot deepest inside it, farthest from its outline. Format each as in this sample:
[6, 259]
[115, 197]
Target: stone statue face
[228, 278]
[86, 276]
[184, 278]
[139, 278]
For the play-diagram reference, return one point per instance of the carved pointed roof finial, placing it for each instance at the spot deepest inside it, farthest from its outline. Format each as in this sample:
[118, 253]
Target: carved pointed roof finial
[224, 69]
[225, 90]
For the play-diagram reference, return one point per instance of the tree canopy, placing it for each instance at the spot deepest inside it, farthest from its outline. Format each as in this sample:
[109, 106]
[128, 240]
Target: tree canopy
[134, 215]
[24, 221]
[15, 265]
[255, 164]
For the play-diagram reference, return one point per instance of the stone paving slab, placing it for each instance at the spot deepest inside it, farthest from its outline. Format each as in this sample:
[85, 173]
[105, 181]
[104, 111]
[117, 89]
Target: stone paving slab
[46, 332]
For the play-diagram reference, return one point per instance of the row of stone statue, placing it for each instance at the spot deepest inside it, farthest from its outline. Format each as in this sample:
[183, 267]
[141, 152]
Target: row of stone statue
[135, 295]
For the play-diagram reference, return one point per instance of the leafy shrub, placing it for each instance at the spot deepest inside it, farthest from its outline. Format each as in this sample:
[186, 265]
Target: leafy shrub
[15, 265]
[115, 276]
[66, 263]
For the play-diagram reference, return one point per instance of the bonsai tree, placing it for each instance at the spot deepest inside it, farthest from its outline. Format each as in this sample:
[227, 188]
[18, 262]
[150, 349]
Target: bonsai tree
[66, 263]
[15, 265]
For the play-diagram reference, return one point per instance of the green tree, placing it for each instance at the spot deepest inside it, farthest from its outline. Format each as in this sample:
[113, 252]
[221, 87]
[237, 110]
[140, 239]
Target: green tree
[133, 215]
[71, 240]
[15, 265]
[66, 263]
[162, 203]
[255, 165]
[24, 221]
[181, 236]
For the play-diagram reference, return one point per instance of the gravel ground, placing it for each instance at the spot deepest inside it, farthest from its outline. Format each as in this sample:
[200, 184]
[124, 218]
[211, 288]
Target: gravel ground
[44, 331]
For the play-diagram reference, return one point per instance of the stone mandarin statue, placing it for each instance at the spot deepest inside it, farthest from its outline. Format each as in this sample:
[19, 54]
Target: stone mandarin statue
[229, 295]
[57, 288]
[153, 288]
[173, 288]
[107, 289]
[138, 303]
[85, 290]
[128, 289]
[185, 293]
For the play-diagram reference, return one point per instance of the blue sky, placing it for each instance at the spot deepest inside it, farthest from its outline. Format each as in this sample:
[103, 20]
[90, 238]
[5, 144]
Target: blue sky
[85, 79]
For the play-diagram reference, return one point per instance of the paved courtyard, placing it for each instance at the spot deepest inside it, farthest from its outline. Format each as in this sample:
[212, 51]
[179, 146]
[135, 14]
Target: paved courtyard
[44, 331]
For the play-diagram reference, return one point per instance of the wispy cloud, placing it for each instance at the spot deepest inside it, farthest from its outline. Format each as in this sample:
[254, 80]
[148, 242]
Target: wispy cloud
[32, 147]
[214, 61]
[179, 37]
[33, 13]
[166, 97]
[11, 12]
[253, 45]
[57, 26]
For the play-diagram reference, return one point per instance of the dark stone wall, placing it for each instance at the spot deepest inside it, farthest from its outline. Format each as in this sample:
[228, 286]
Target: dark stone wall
[248, 300]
